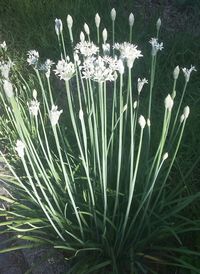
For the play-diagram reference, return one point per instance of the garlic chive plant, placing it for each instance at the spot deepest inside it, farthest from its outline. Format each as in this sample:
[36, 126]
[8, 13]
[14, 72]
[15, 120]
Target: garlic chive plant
[83, 176]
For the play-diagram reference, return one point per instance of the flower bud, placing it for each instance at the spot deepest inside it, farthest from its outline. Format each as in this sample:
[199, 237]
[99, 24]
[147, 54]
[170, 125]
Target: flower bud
[176, 72]
[113, 14]
[186, 112]
[35, 94]
[131, 19]
[105, 35]
[86, 28]
[142, 121]
[158, 24]
[69, 21]
[82, 37]
[81, 114]
[97, 20]
[182, 118]
[148, 122]
[58, 26]
[169, 102]
[135, 104]
[165, 156]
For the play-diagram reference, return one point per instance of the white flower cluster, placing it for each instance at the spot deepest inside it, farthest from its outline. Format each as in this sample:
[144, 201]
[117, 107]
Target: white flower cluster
[129, 52]
[3, 46]
[47, 67]
[65, 69]
[99, 68]
[155, 46]
[86, 48]
[33, 57]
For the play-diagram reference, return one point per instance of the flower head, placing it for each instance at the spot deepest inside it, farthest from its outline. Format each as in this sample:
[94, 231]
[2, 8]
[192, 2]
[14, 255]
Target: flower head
[46, 67]
[129, 52]
[86, 48]
[69, 21]
[113, 14]
[141, 83]
[54, 115]
[20, 148]
[65, 69]
[142, 121]
[3, 46]
[34, 107]
[99, 68]
[187, 72]
[155, 46]
[131, 19]
[169, 102]
[86, 29]
[33, 57]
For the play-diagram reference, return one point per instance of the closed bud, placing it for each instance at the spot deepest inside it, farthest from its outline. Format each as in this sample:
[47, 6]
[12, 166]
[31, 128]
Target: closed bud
[169, 102]
[35, 94]
[113, 14]
[158, 24]
[135, 104]
[142, 121]
[81, 114]
[82, 37]
[148, 122]
[69, 21]
[165, 156]
[97, 20]
[186, 112]
[176, 72]
[87, 30]
[105, 35]
[131, 19]
[182, 118]
[58, 26]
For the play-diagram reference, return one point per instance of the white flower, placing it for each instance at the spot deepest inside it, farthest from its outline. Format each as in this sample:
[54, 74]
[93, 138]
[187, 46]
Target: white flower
[131, 19]
[5, 69]
[54, 115]
[65, 69]
[169, 102]
[20, 148]
[105, 35]
[33, 57]
[187, 72]
[58, 26]
[176, 72]
[34, 107]
[47, 67]
[87, 30]
[69, 21]
[8, 88]
[155, 46]
[99, 68]
[142, 121]
[140, 84]
[113, 14]
[106, 49]
[129, 52]
[97, 20]
[87, 48]
[3, 46]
